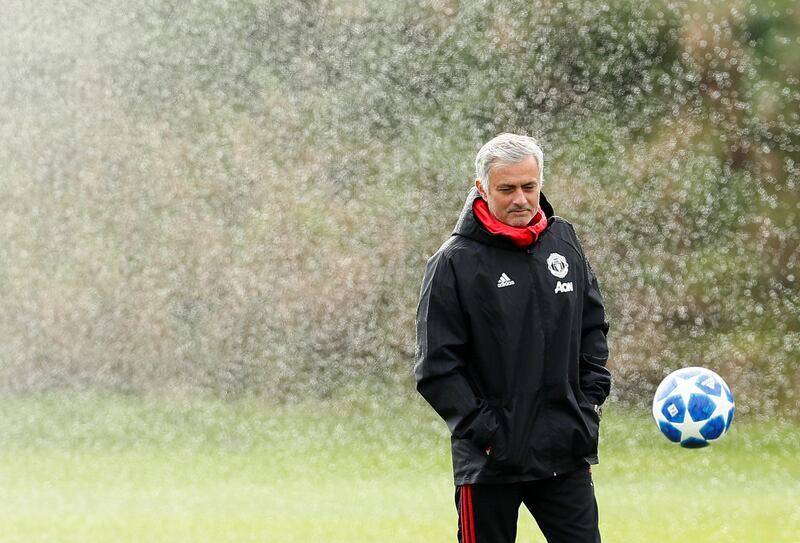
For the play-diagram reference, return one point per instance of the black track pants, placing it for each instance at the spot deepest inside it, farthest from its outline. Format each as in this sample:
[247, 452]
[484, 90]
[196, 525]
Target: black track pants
[564, 507]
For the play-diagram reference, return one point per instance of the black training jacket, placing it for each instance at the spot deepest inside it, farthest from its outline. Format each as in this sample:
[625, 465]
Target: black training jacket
[511, 351]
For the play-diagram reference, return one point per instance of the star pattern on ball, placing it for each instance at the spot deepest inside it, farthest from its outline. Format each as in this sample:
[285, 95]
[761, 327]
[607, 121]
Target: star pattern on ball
[684, 387]
[689, 428]
[723, 407]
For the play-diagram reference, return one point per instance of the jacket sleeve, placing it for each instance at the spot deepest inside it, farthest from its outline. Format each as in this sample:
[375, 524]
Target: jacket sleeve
[442, 356]
[595, 377]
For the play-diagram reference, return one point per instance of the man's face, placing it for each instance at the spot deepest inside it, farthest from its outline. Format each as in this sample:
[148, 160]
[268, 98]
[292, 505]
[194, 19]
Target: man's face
[513, 195]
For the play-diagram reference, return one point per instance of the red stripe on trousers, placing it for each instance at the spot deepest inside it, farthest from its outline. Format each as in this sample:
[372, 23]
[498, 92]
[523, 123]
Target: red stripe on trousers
[462, 509]
[470, 514]
[467, 515]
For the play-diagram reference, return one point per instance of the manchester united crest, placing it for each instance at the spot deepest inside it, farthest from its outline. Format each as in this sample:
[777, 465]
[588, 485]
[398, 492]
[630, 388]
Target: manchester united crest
[557, 265]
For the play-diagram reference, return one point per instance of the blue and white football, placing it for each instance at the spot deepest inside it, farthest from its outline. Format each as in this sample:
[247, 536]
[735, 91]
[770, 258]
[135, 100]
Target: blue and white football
[693, 407]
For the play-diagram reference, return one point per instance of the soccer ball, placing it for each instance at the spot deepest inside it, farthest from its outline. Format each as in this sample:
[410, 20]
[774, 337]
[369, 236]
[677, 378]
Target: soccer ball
[693, 407]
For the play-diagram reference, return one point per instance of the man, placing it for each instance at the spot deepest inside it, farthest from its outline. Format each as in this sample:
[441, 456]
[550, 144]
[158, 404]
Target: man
[511, 353]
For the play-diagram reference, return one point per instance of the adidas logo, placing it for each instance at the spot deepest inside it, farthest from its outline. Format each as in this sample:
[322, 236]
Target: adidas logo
[504, 281]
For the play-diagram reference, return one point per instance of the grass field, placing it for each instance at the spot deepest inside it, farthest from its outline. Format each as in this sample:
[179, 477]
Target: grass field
[101, 469]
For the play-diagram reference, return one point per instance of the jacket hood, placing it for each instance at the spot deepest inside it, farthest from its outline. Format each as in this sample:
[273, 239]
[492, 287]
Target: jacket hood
[468, 225]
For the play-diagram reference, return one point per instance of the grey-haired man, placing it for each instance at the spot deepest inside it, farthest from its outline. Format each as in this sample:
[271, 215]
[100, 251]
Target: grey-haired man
[511, 353]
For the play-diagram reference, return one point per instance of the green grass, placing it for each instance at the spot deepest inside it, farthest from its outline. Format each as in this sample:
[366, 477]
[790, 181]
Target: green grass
[92, 468]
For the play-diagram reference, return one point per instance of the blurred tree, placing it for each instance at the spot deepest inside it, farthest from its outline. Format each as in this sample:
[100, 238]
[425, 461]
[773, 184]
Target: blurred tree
[240, 196]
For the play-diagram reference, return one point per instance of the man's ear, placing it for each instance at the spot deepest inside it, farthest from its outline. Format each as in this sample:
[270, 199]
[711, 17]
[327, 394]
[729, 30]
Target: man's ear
[479, 186]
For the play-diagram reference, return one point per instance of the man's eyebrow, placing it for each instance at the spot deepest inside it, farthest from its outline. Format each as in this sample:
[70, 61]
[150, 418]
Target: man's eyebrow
[528, 182]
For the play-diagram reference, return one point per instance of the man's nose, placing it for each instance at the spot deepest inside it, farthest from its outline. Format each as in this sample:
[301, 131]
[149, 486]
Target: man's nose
[519, 197]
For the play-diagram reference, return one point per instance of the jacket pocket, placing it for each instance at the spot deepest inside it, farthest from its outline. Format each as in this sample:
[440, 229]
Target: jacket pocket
[592, 421]
[507, 443]
[571, 425]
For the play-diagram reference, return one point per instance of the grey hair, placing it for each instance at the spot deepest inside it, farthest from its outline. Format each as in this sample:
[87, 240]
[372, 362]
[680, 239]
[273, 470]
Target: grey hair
[507, 149]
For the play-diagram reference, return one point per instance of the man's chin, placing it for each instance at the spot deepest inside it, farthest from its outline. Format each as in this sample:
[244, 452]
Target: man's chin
[518, 219]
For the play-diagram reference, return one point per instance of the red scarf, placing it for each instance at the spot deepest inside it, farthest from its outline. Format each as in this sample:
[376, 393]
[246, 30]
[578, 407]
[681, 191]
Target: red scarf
[522, 236]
